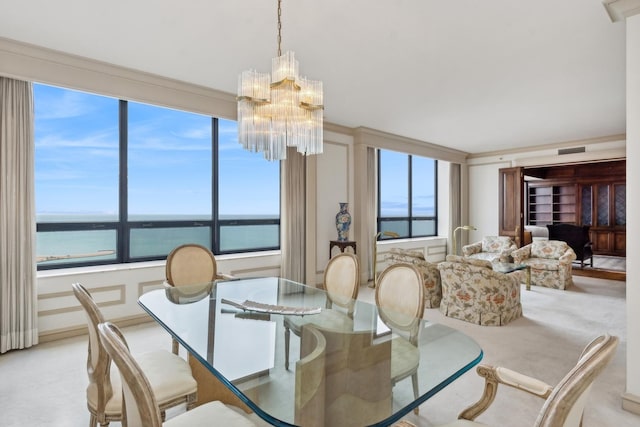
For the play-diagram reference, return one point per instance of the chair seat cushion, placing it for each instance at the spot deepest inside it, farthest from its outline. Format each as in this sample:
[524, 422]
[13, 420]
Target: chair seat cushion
[405, 358]
[169, 376]
[542, 264]
[212, 413]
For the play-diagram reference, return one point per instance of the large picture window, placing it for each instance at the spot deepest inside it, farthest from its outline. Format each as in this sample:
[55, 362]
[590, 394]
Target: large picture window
[120, 181]
[407, 187]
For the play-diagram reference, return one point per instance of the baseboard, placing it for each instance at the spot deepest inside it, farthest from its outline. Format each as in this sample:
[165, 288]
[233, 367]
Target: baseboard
[601, 274]
[60, 334]
[631, 403]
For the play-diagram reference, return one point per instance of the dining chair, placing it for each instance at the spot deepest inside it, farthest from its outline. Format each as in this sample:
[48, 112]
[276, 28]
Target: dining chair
[141, 407]
[400, 300]
[169, 375]
[341, 284]
[191, 264]
[564, 404]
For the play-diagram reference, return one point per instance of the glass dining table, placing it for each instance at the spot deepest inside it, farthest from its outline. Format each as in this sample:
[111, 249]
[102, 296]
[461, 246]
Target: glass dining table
[356, 370]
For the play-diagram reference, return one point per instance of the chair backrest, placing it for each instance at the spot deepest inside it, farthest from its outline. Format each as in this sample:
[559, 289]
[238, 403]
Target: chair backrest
[566, 403]
[400, 297]
[190, 264]
[98, 360]
[341, 279]
[139, 404]
[576, 236]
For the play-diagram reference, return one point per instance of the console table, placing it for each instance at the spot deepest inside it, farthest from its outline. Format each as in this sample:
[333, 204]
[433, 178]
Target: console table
[342, 245]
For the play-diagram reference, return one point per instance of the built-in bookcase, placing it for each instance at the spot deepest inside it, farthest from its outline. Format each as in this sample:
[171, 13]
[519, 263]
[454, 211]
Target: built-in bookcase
[551, 204]
[583, 194]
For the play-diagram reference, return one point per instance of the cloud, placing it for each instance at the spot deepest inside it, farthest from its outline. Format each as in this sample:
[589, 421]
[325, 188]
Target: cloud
[54, 104]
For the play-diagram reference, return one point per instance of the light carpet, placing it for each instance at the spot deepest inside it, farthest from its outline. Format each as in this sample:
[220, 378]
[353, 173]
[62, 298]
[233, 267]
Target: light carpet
[45, 385]
[545, 343]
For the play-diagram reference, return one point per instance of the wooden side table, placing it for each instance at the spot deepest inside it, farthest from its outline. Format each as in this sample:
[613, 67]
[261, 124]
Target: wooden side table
[342, 245]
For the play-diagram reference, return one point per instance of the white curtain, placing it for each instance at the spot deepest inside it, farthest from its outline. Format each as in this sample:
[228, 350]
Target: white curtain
[293, 215]
[455, 204]
[18, 293]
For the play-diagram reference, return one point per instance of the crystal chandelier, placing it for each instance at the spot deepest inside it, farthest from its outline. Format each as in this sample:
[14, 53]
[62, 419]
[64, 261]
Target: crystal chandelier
[279, 110]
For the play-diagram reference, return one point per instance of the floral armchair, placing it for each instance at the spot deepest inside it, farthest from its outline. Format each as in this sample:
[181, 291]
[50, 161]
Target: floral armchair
[429, 271]
[550, 262]
[472, 291]
[491, 248]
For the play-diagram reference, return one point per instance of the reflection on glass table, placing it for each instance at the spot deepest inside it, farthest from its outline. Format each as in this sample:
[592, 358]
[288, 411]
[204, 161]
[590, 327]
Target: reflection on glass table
[341, 375]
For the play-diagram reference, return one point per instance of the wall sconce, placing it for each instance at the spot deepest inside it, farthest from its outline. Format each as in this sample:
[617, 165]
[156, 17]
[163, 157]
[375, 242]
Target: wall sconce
[375, 253]
[462, 227]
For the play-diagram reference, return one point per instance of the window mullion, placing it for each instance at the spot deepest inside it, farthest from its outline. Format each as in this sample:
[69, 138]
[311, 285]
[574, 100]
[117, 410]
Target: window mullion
[215, 226]
[122, 237]
[410, 198]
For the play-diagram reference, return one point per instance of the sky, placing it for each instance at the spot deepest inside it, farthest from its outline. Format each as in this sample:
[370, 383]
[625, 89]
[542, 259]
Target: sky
[169, 163]
[169, 160]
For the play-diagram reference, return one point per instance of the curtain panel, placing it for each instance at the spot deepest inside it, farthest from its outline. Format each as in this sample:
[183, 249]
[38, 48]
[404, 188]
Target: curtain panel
[18, 292]
[293, 216]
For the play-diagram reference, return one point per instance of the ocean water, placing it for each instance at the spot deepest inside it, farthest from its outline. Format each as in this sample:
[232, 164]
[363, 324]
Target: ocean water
[58, 247]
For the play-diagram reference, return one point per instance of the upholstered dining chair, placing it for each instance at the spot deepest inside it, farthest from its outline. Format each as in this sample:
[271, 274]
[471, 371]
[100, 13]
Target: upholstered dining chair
[140, 403]
[169, 375]
[400, 300]
[564, 404]
[341, 283]
[190, 264]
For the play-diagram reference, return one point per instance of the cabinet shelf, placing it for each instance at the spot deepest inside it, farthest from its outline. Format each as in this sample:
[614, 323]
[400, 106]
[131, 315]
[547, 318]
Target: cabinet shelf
[549, 204]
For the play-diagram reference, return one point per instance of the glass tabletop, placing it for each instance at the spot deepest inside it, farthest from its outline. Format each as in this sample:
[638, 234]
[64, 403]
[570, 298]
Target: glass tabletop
[343, 363]
[507, 267]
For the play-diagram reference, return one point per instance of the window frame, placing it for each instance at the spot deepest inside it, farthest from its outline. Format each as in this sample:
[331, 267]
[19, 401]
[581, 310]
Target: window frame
[410, 218]
[123, 226]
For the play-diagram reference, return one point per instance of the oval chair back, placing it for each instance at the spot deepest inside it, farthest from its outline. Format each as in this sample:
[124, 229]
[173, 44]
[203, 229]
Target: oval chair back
[190, 264]
[400, 297]
[141, 407]
[341, 280]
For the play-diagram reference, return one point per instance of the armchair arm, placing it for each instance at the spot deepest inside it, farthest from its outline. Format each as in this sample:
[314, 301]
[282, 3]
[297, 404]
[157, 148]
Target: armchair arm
[521, 254]
[505, 254]
[471, 249]
[496, 375]
[568, 257]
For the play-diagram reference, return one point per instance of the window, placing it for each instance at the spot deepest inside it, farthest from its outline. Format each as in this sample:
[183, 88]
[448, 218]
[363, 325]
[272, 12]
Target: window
[119, 181]
[406, 194]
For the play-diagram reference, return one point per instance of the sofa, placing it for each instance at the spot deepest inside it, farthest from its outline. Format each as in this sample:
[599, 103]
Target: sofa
[549, 261]
[430, 273]
[472, 291]
[577, 237]
[491, 248]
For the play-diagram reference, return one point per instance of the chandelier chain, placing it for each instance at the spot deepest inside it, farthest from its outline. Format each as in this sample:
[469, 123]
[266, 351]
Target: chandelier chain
[279, 27]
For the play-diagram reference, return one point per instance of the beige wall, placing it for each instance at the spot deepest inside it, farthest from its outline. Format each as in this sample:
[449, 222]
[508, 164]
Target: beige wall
[632, 398]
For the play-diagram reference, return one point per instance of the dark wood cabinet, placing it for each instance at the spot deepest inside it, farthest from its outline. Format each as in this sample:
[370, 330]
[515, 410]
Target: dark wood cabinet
[584, 194]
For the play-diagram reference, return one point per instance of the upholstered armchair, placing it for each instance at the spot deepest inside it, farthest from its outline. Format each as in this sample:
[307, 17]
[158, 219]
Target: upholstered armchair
[429, 271]
[550, 262]
[472, 291]
[491, 248]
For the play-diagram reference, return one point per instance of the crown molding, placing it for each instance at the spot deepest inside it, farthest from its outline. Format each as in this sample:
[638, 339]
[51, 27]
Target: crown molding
[619, 10]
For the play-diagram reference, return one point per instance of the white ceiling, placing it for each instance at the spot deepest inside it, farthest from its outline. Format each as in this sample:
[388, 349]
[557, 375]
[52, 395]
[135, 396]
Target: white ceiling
[475, 75]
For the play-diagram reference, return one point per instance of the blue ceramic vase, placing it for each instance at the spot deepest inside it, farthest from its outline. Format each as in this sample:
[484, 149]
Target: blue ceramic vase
[343, 222]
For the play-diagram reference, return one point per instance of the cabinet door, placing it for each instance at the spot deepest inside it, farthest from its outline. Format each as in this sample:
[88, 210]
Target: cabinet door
[511, 213]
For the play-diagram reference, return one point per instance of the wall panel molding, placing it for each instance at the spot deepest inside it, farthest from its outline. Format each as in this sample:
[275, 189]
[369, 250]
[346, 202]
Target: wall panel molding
[66, 301]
